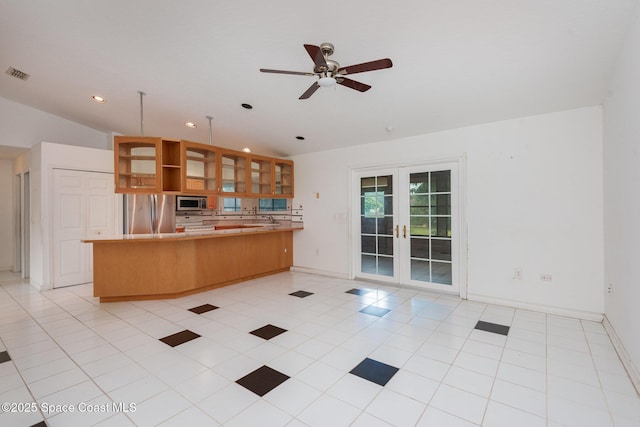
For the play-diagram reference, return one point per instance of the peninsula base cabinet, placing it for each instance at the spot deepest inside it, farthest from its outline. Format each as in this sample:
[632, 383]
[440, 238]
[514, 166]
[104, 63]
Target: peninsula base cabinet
[126, 270]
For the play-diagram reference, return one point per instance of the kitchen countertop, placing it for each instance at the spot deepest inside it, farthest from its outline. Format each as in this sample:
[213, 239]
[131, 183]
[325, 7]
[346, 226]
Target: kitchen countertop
[196, 234]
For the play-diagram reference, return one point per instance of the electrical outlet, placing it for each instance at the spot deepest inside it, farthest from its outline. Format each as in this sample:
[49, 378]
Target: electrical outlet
[517, 273]
[546, 277]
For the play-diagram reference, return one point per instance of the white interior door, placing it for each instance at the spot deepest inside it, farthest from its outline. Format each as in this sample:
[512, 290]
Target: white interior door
[83, 207]
[408, 227]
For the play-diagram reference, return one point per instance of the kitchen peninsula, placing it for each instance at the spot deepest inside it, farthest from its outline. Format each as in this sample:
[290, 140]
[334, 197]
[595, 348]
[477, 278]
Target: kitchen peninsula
[170, 265]
[167, 264]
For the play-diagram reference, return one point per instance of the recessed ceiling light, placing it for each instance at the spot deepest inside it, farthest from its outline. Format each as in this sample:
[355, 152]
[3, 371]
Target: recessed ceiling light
[246, 149]
[190, 125]
[247, 106]
[98, 99]
[389, 128]
[300, 138]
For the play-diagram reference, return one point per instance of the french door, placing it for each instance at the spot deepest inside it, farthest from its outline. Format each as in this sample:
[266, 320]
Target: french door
[408, 225]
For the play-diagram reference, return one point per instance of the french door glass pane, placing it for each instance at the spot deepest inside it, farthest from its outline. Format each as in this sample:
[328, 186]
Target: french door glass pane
[441, 273]
[430, 226]
[376, 220]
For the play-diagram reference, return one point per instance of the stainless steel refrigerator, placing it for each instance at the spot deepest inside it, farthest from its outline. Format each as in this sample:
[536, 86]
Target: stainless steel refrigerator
[149, 213]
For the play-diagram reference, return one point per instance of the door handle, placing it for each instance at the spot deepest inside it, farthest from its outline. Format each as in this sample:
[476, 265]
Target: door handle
[404, 231]
[397, 231]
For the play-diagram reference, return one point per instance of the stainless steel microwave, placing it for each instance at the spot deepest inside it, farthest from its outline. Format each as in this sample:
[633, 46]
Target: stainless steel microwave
[191, 203]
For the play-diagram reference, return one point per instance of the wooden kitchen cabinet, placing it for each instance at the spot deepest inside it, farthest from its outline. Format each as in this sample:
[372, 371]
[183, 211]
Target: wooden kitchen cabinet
[283, 178]
[271, 178]
[151, 165]
[200, 166]
[234, 167]
[171, 166]
[136, 167]
[147, 165]
[151, 268]
[261, 176]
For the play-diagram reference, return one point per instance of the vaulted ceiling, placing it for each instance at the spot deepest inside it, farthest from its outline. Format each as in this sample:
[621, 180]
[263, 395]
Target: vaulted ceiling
[455, 63]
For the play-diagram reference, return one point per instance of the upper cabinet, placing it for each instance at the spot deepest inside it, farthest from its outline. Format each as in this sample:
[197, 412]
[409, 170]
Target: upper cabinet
[261, 176]
[283, 178]
[271, 178]
[159, 165]
[200, 163]
[171, 166]
[147, 165]
[233, 173]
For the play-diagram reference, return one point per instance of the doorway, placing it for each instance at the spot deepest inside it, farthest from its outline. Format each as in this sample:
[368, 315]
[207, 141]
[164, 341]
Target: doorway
[22, 224]
[408, 227]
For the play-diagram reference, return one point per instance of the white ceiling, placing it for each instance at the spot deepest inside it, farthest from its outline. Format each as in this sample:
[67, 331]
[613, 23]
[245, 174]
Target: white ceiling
[455, 63]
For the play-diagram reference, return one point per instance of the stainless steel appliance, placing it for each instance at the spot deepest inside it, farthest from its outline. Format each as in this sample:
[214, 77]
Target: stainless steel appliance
[149, 213]
[191, 203]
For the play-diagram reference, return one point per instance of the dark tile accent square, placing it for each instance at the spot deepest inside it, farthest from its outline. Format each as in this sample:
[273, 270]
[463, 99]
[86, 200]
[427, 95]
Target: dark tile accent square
[267, 332]
[356, 291]
[179, 338]
[375, 311]
[301, 294]
[262, 380]
[40, 424]
[4, 357]
[203, 308]
[492, 327]
[374, 371]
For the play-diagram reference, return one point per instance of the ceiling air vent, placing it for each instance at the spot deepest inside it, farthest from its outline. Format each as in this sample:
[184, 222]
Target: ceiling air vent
[17, 73]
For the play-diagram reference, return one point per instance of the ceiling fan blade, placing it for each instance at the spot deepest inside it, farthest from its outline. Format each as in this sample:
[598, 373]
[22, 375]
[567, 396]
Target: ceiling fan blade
[314, 87]
[353, 84]
[366, 66]
[296, 73]
[316, 55]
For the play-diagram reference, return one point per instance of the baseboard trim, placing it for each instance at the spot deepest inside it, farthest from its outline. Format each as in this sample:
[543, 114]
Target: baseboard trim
[625, 358]
[579, 314]
[320, 272]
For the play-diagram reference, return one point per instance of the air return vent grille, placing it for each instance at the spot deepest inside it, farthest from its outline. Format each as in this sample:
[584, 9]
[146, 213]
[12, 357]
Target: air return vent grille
[17, 73]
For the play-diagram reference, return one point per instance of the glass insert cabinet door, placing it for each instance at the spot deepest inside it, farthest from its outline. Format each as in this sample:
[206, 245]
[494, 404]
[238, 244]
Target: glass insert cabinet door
[407, 228]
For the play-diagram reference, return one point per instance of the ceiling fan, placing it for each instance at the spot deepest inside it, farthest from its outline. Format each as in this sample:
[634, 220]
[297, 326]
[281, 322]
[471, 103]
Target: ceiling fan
[329, 72]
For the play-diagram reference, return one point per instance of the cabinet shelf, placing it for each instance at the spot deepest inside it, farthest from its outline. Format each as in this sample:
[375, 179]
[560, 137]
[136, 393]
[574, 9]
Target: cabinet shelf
[130, 157]
[200, 159]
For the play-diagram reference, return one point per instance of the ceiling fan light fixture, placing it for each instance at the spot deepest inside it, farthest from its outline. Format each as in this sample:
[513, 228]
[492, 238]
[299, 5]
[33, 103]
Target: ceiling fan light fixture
[326, 81]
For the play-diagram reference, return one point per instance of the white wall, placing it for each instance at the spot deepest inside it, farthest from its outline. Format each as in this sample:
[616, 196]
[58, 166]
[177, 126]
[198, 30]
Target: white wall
[534, 201]
[6, 214]
[25, 127]
[622, 198]
[42, 159]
